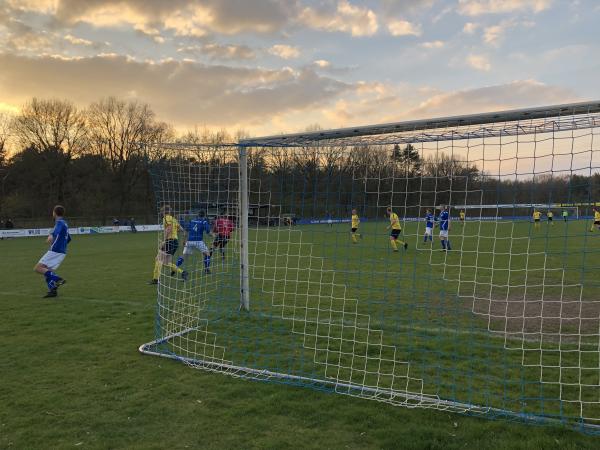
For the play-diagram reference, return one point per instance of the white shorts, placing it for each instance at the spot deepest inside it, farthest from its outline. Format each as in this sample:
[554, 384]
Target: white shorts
[444, 233]
[428, 231]
[52, 259]
[191, 245]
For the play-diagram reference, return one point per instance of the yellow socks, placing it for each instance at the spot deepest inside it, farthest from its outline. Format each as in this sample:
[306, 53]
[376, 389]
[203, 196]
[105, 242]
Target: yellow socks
[156, 272]
[174, 268]
[394, 245]
[354, 238]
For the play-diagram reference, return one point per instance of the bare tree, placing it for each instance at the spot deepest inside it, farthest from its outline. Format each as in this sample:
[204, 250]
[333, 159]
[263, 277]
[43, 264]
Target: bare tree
[212, 146]
[6, 122]
[57, 130]
[120, 132]
[51, 124]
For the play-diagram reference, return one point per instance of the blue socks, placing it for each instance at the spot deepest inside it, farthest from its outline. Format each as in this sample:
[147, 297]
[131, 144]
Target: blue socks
[51, 278]
[444, 244]
[206, 261]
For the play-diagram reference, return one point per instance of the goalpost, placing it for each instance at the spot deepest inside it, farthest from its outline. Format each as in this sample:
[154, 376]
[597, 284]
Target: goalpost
[505, 324]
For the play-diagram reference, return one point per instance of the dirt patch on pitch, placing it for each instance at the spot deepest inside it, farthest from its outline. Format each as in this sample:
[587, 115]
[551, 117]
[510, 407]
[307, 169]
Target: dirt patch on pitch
[544, 318]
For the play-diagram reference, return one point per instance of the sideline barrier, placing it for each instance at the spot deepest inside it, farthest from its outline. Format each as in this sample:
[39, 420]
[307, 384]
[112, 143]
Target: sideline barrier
[421, 219]
[32, 232]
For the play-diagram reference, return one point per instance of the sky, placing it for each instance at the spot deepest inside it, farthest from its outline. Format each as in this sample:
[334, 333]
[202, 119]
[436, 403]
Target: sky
[277, 66]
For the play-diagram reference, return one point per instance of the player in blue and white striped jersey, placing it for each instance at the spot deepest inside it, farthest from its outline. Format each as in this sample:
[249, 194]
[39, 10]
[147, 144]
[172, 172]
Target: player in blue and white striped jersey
[196, 228]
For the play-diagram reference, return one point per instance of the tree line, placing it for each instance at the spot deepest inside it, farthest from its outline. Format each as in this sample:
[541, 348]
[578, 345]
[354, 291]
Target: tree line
[99, 162]
[93, 160]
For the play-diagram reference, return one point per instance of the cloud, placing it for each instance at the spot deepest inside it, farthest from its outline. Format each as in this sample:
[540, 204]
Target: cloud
[403, 28]
[224, 52]
[397, 7]
[368, 102]
[470, 27]
[480, 7]
[567, 53]
[433, 44]
[201, 18]
[20, 37]
[375, 102]
[322, 63]
[284, 51]
[193, 18]
[517, 94]
[74, 40]
[184, 93]
[479, 62]
[347, 18]
[41, 6]
[494, 34]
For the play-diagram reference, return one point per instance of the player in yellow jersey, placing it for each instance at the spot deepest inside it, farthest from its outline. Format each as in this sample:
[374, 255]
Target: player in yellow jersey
[550, 216]
[596, 219]
[537, 216]
[354, 229]
[396, 230]
[168, 247]
[461, 216]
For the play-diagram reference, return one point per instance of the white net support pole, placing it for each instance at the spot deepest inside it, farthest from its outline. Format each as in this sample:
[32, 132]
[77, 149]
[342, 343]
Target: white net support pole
[243, 226]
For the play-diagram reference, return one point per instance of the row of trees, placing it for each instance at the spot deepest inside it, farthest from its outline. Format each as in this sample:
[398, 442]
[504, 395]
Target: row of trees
[96, 161]
[313, 181]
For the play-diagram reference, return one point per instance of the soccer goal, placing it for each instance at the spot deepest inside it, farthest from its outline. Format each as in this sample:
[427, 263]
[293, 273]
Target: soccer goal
[494, 315]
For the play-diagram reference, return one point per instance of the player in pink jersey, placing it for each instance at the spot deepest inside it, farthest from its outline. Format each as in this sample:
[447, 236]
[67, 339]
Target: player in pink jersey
[222, 228]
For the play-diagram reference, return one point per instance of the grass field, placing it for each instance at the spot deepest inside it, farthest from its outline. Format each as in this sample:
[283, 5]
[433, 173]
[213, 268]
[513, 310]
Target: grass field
[72, 375]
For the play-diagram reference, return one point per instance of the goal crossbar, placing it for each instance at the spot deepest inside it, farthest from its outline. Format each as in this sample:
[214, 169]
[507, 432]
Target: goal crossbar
[514, 115]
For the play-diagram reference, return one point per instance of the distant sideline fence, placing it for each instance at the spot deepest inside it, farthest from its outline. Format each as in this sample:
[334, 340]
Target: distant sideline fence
[148, 226]
[87, 221]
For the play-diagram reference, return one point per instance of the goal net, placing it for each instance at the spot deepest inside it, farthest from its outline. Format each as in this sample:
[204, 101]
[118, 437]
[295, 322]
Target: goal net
[347, 266]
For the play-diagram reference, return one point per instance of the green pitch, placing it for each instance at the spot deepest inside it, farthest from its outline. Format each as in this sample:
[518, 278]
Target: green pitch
[72, 375]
